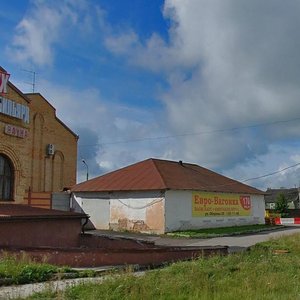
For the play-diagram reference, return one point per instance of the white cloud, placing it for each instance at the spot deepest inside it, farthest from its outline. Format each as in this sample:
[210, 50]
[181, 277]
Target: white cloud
[122, 43]
[43, 27]
[110, 135]
[277, 159]
[229, 64]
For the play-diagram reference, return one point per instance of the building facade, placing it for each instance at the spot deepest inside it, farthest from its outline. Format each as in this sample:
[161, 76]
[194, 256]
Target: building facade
[38, 152]
[292, 196]
[158, 196]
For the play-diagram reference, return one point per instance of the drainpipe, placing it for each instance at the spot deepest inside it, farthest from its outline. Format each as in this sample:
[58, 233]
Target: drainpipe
[85, 222]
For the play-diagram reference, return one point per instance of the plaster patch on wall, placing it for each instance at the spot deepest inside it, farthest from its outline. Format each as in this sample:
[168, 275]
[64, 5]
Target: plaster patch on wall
[155, 217]
[116, 214]
[140, 226]
[146, 215]
[132, 225]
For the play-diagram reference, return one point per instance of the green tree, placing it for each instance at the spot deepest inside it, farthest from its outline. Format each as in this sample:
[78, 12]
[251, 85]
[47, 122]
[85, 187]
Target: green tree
[281, 204]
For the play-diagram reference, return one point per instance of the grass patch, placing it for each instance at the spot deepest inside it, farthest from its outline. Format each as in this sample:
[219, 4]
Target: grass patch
[222, 231]
[255, 274]
[21, 270]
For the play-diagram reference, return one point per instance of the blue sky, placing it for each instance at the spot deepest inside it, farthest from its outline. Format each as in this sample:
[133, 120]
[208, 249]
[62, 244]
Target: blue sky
[123, 74]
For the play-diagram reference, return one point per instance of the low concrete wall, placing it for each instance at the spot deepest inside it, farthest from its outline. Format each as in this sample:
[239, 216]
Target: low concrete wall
[108, 242]
[43, 232]
[102, 257]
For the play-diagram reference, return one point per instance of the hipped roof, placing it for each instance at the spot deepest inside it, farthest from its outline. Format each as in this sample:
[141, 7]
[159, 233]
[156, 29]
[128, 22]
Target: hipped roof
[157, 174]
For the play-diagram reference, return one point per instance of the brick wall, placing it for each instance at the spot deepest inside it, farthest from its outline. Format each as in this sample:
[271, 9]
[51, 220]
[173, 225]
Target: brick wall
[18, 150]
[51, 172]
[33, 168]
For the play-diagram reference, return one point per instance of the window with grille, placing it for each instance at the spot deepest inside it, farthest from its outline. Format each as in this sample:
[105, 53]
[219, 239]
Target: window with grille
[6, 179]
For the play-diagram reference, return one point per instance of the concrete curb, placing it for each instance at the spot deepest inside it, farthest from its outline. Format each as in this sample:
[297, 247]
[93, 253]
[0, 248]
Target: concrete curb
[26, 290]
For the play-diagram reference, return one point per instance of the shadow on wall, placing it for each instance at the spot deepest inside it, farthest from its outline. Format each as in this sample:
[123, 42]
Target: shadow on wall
[75, 207]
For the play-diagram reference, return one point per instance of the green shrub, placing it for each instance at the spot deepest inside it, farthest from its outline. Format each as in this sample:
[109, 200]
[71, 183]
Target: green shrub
[20, 270]
[281, 205]
[35, 273]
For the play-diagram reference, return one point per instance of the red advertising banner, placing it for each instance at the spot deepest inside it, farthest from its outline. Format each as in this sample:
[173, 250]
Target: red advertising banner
[4, 77]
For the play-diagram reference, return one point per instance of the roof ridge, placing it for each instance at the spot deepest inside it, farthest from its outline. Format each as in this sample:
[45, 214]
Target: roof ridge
[172, 161]
[158, 171]
[112, 172]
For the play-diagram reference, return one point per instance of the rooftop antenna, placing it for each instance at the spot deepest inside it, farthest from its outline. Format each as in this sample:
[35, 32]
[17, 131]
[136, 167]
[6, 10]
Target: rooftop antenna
[32, 83]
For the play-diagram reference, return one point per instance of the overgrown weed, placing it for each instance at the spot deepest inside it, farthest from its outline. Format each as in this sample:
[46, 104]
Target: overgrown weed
[256, 274]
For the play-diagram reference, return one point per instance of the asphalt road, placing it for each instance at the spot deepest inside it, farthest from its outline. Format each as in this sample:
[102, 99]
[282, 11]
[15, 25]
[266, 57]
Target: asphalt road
[239, 242]
[235, 243]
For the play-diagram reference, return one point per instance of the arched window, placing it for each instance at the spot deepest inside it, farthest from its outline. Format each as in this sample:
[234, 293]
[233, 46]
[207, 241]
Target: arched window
[6, 179]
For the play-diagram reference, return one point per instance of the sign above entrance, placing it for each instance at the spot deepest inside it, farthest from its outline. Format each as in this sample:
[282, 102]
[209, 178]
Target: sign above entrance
[4, 77]
[16, 131]
[14, 109]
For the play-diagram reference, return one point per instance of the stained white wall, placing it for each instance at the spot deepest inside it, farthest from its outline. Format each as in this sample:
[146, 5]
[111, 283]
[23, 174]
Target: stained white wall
[178, 213]
[155, 211]
[139, 211]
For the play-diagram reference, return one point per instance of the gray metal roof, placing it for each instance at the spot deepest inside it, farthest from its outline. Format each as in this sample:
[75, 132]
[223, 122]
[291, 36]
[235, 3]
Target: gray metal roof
[291, 194]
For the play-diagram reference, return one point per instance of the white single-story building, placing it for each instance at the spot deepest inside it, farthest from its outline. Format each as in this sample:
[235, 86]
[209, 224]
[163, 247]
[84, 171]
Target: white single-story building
[159, 196]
